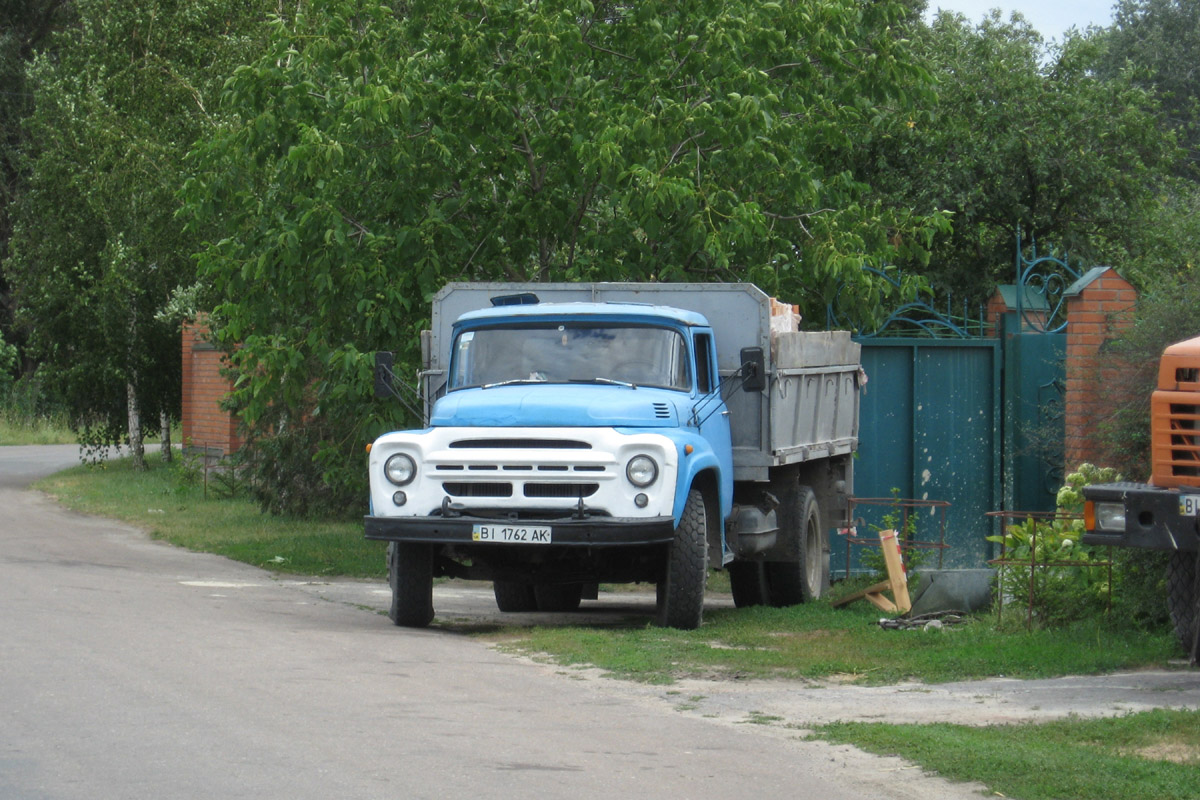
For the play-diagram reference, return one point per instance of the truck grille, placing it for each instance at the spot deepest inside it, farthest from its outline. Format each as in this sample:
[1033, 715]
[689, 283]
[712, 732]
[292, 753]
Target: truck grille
[561, 489]
[1175, 437]
[521, 444]
[478, 489]
[1185, 446]
[510, 467]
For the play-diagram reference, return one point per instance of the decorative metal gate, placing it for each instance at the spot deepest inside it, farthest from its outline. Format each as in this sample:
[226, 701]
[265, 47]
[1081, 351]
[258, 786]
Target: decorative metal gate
[1035, 342]
[954, 411]
[930, 428]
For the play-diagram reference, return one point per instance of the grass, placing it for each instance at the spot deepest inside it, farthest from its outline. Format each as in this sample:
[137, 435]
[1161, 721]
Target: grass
[38, 430]
[817, 641]
[1155, 754]
[171, 504]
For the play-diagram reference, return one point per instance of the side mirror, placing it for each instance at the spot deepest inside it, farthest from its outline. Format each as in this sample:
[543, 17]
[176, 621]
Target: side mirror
[754, 369]
[384, 361]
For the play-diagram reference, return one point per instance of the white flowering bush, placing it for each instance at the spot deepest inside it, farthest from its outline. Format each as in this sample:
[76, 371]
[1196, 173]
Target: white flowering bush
[1069, 580]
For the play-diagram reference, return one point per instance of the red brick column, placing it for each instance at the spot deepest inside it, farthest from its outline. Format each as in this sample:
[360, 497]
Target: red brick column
[206, 427]
[1098, 306]
[996, 309]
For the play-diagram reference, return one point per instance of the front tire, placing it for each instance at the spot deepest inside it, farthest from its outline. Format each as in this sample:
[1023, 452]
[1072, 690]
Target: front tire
[410, 575]
[1183, 597]
[681, 589]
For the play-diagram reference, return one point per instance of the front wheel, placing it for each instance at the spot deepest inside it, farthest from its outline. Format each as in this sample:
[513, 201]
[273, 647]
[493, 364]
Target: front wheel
[410, 575]
[681, 589]
[1183, 597]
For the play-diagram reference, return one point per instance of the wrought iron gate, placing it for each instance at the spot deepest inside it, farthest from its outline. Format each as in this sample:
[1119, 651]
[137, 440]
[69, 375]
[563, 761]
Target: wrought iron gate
[954, 411]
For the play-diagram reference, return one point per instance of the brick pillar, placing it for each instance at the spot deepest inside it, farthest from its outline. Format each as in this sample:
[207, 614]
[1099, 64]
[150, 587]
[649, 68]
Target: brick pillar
[1099, 305]
[995, 311]
[1002, 306]
[206, 427]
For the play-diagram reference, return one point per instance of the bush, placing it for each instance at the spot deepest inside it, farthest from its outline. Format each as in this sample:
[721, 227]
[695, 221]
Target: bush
[298, 471]
[1074, 583]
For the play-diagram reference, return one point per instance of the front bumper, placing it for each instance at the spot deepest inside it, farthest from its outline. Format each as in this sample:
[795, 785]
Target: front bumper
[459, 531]
[1152, 518]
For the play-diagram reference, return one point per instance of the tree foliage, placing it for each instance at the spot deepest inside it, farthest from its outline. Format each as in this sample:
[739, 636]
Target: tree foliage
[1159, 42]
[1025, 137]
[25, 26]
[96, 251]
[377, 155]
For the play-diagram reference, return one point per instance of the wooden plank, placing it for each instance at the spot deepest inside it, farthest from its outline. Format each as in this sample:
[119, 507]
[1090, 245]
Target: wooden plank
[897, 577]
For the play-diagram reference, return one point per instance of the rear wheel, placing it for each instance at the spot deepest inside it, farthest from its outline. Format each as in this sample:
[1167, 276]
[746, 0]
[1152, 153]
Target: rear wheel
[681, 589]
[410, 575]
[748, 583]
[1183, 597]
[805, 578]
[558, 596]
[514, 597]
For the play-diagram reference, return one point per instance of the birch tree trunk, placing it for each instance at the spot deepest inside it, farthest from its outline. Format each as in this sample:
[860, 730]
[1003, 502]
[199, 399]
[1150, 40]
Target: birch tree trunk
[164, 423]
[136, 447]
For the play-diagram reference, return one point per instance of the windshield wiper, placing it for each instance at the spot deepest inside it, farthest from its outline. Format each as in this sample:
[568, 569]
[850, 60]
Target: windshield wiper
[509, 382]
[609, 381]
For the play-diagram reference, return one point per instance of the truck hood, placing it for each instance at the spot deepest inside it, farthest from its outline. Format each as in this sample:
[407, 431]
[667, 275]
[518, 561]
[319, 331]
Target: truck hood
[559, 405]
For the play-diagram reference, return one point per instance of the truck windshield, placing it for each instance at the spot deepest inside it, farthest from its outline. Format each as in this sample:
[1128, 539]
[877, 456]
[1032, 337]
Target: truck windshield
[565, 353]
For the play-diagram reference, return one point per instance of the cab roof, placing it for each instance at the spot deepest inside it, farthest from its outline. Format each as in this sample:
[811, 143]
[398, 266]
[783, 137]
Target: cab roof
[615, 312]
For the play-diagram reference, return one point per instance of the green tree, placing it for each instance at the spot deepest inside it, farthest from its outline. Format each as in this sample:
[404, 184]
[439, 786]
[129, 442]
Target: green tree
[96, 251]
[25, 26]
[1025, 136]
[377, 155]
[1156, 43]
[1159, 41]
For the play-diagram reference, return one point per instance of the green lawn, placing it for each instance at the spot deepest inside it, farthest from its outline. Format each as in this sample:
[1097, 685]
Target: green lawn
[173, 503]
[35, 431]
[1155, 754]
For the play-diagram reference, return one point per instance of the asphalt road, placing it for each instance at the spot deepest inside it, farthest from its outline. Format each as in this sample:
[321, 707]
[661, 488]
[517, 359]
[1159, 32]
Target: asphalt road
[132, 669]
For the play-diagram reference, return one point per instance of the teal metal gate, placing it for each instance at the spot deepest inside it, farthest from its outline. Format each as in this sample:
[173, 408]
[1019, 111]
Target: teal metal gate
[929, 429]
[1035, 344]
[952, 414]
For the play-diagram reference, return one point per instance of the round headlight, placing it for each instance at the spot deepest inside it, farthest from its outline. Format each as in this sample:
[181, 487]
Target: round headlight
[641, 471]
[400, 469]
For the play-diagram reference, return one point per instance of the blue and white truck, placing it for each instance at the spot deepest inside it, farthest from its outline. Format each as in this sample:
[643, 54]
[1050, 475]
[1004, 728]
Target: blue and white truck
[618, 432]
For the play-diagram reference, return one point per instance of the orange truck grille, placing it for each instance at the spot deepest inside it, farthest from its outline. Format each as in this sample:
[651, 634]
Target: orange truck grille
[1175, 438]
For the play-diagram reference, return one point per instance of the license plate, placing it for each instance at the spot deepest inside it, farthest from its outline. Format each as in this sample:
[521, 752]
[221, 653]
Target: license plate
[511, 534]
[1189, 505]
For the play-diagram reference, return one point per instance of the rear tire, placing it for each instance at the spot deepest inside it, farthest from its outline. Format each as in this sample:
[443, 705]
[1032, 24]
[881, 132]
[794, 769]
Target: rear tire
[513, 597]
[805, 579]
[558, 597]
[1183, 597]
[681, 589]
[748, 583]
[410, 575]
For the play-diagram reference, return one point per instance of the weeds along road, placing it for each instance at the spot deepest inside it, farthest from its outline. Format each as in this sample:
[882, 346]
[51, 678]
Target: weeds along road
[132, 669]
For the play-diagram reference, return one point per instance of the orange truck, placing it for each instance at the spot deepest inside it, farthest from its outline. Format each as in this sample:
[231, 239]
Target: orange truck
[1163, 514]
